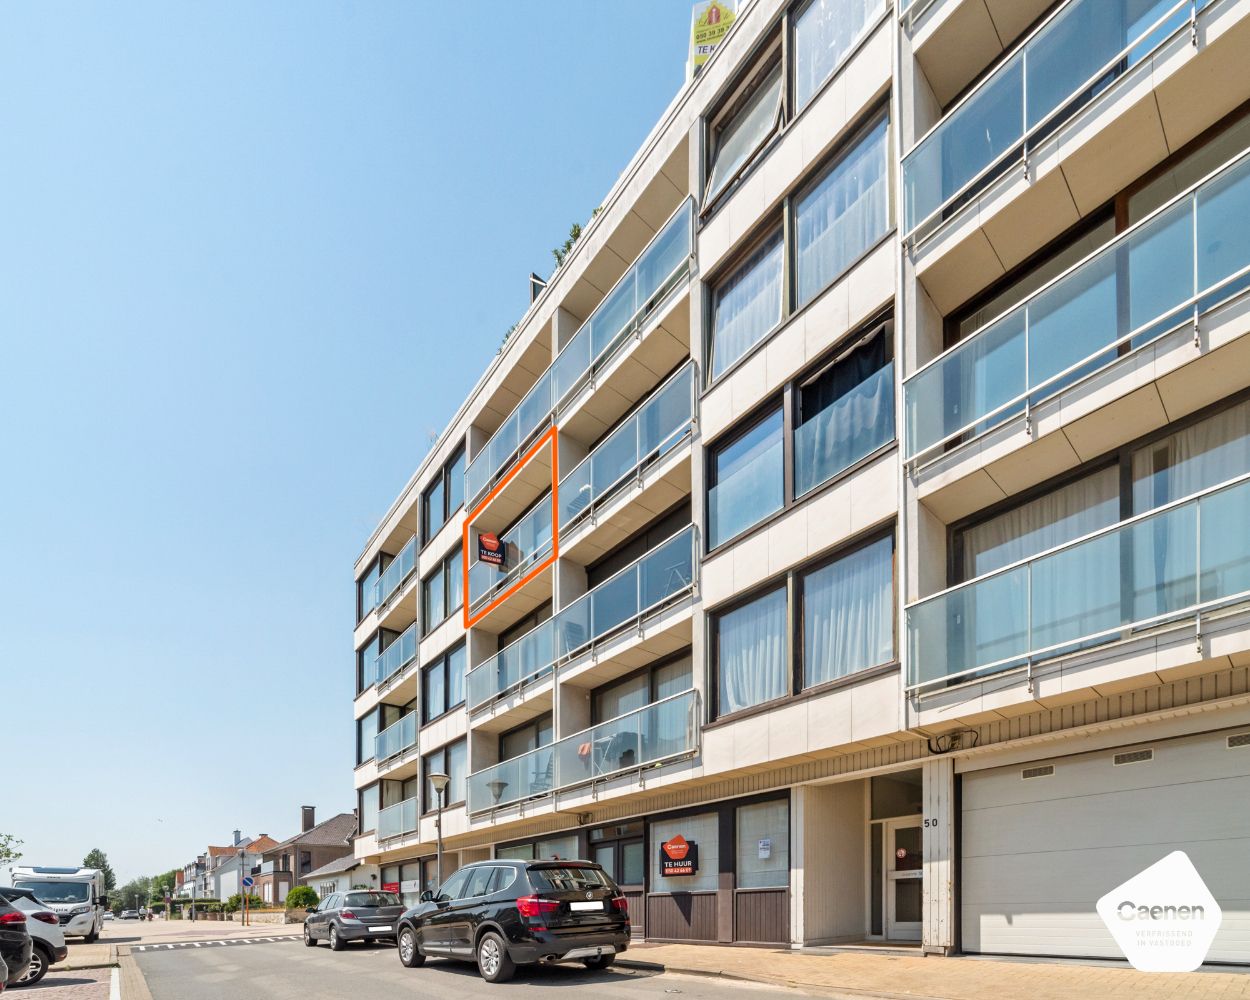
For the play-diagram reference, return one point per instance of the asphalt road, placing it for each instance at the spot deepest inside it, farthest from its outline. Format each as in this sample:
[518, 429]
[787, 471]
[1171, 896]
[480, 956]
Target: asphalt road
[286, 970]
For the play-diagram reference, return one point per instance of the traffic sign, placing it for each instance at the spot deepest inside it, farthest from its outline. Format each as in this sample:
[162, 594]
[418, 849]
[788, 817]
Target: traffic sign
[248, 881]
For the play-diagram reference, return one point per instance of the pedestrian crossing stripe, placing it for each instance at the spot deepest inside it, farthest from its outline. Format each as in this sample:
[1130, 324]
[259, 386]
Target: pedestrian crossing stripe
[225, 942]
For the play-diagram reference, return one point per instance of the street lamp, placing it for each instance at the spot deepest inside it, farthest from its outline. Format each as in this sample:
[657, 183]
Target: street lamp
[439, 783]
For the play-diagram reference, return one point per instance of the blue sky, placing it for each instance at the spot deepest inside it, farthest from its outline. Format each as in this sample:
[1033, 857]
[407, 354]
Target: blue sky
[251, 255]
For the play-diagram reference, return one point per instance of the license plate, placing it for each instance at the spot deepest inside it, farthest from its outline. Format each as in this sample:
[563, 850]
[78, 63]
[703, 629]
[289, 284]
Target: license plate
[382, 929]
[586, 907]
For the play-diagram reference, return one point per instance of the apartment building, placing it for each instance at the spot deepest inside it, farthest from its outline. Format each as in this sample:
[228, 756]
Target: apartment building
[851, 542]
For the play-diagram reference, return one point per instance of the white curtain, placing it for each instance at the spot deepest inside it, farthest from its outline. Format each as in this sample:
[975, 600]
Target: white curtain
[844, 214]
[752, 653]
[823, 34]
[853, 426]
[747, 305]
[848, 614]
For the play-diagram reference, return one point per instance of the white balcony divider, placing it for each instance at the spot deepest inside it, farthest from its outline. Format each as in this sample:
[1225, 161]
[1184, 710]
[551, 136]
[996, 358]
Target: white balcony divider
[399, 570]
[398, 819]
[1163, 273]
[659, 425]
[642, 586]
[1073, 56]
[526, 543]
[1170, 564]
[396, 738]
[661, 266]
[401, 652]
[662, 731]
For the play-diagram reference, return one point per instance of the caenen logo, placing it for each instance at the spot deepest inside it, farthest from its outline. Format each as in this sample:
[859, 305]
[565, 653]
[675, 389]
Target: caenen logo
[1165, 918]
[679, 856]
[489, 549]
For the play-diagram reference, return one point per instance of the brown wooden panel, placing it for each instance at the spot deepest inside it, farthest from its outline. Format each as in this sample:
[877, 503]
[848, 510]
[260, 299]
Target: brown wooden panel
[682, 916]
[762, 916]
[637, 900]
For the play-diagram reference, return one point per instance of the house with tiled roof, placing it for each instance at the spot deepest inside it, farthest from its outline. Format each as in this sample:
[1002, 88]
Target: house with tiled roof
[289, 863]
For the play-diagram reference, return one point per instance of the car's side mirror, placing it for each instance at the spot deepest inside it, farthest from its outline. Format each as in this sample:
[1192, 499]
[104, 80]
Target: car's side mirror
[102, 901]
[427, 896]
[310, 909]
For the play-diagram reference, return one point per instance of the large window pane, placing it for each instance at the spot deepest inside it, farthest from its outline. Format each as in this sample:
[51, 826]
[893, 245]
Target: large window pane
[435, 692]
[746, 305]
[367, 729]
[844, 414]
[458, 770]
[703, 830]
[1191, 460]
[848, 614]
[455, 581]
[673, 678]
[843, 214]
[824, 33]
[749, 480]
[456, 661]
[455, 483]
[764, 845]
[623, 696]
[369, 808]
[434, 509]
[751, 653]
[432, 592]
[739, 137]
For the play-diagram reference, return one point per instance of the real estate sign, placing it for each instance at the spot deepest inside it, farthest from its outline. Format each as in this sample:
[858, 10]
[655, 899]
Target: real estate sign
[679, 856]
[709, 22]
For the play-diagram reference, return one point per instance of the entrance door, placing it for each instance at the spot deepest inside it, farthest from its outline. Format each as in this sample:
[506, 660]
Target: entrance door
[625, 863]
[904, 878]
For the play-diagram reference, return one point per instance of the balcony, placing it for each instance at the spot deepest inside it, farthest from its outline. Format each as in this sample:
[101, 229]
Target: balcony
[1165, 273]
[1066, 62]
[633, 593]
[640, 291]
[1173, 564]
[401, 568]
[524, 545]
[396, 738]
[397, 655]
[662, 731]
[660, 425]
[396, 820]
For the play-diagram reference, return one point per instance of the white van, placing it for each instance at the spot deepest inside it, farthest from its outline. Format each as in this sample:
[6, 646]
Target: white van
[75, 895]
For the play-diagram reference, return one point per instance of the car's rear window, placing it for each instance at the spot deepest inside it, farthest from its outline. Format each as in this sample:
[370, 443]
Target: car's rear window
[371, 899]
[563, 878]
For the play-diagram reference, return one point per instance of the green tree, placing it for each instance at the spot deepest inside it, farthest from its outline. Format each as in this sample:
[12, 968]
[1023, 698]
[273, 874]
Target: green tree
[235, 902]
[9, 852]
[96, 858]
[133, 894]
[300, 897]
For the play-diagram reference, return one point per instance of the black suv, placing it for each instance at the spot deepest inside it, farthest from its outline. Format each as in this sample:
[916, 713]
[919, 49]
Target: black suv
[507, 913]
[15, 944]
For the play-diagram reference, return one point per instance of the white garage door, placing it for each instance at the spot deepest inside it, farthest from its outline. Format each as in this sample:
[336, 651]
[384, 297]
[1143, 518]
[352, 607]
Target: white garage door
[1042, 842]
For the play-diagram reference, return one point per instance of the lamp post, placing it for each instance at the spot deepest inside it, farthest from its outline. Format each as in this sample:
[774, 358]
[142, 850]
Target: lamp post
[438, 782]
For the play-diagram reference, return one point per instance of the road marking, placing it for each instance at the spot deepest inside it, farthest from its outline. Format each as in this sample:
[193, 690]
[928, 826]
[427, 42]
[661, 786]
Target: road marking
[224, 942]
[115, 985]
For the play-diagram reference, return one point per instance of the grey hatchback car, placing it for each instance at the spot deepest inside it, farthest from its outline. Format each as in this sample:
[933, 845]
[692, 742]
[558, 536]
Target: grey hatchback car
[357, 915]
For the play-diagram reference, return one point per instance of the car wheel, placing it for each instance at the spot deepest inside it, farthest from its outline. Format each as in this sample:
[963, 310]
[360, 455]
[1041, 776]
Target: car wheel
[309, 940]
[602, 962]
[95, 933]
[409, 952]
[37, 969]
[336, 942]
[492, 959]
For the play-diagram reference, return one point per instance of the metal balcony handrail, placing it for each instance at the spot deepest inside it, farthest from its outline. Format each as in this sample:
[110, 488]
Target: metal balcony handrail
[403, 566]
[401, 651]
[396, 738]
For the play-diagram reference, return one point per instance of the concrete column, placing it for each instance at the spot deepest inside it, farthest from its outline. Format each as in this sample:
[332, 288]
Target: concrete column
[939, 856]
[572, 710]
[563, 325]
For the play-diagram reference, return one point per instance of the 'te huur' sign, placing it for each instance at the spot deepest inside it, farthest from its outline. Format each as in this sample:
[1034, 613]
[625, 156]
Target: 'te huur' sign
[679, 856]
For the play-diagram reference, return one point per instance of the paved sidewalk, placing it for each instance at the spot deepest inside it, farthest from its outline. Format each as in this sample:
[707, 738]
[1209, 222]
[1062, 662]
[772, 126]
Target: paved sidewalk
[851, 974]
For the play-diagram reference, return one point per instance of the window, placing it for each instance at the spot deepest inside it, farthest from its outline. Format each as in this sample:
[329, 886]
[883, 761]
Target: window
[364, 590]
[444, 497]
[741, 129]
[366, 658]
[848, 613]
[763, 834]
[366, 730]
[453, 761]
[641, 688]
[442, 592]
[750, 644]
[443, 683]
[1193, 459]
[843, 213]
[454, 887]
[747, 479]
[746, 304]
[479, 879]
[639, 544]
[825, 31]
[368, 810]
[534, 734]
[703, 830]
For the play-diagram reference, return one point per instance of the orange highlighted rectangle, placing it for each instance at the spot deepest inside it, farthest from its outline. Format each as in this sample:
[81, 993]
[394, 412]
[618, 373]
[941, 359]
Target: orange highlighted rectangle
[549, 438]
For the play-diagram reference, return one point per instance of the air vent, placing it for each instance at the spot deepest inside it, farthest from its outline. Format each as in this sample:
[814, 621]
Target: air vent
[1238, 741]
[1042, 771]
[1134, 757]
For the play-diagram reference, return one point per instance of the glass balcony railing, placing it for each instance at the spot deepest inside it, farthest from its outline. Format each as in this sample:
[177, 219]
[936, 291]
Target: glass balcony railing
[524, 544]
[659, 731]
[399, 570]
[658, 269]
[1065, 63]
[1171, 563]
[396, 820]
[1164, 272]
[852, 427]
[657, 427]
[661, 574]
[395, 738]
[397, 655]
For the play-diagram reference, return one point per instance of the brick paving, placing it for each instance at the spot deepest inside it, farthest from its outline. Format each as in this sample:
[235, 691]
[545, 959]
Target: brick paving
[851, 974]
[64, 984]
